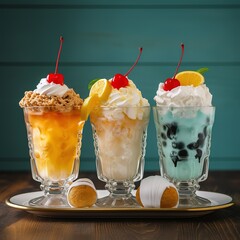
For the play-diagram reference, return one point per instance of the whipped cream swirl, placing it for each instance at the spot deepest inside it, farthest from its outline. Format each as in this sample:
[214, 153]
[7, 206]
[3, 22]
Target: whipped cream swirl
[51, 89]
[184, 96]
[126, 101]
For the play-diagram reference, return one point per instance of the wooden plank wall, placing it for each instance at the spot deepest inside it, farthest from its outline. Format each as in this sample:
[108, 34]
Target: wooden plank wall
[101, 39]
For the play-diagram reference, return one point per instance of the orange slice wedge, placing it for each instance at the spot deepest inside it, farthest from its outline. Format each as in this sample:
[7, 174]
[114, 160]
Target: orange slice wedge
[102, 88]
[188, 78]
[88, 105]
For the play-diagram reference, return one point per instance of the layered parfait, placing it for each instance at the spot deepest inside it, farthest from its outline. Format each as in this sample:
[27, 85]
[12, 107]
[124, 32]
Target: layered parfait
[54, 126]
[119, 127]
[184, 118]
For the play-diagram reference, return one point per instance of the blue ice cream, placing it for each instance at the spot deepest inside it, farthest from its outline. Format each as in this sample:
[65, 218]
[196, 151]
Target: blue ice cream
[184, 118]
[184, 141]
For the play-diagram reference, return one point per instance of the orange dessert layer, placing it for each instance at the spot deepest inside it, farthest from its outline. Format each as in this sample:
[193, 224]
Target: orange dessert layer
[56, 141]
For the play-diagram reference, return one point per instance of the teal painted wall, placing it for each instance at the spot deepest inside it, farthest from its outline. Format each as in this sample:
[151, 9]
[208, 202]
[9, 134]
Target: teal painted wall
[101, 39]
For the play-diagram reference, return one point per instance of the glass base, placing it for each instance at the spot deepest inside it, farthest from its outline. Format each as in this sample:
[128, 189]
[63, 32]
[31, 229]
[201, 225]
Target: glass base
[187, 195]
[118, 201]
[120, 195]
[193, 201]
[51, 201]
[54, 196]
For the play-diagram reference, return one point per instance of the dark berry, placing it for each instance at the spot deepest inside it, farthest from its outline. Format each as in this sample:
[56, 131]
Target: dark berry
[201, 139]
[205, 131]
[172, 130]
[200, 142]
[178, 145]
[173, 154]
[175, 161]
[193, 146]
[200, 136]
[164, 144]
[183, 153]
[199, 154]
[174, 158]
[163, 135]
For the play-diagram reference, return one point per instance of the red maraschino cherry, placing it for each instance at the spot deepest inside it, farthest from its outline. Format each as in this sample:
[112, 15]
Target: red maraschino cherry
[120, 80]
[171, 83]
[56, 77]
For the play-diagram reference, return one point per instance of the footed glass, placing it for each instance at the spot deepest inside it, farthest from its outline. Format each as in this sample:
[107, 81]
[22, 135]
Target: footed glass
[54, 140]
[184, 139]
[120, 141]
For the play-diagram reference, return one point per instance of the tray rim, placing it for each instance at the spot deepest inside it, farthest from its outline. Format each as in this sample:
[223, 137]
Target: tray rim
[9, 202]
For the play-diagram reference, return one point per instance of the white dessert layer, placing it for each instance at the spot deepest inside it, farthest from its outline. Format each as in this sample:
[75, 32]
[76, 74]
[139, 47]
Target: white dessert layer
[120, 147]
[129, 99]
[184, 96]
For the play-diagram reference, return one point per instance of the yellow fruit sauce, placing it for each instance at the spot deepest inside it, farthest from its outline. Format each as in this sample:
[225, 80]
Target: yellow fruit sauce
[56, 142]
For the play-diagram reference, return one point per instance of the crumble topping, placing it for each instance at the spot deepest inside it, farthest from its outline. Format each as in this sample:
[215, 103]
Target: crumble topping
[67, 102]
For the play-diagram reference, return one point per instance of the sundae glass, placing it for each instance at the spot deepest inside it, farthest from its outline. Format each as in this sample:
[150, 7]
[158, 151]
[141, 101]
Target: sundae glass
[54, 125]
[119, 118]
[184, 118]
[184, 140]
[120, 144]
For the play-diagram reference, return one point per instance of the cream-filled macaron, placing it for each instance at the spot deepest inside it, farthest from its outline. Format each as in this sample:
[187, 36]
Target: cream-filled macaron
[157, 192]
[82, 193]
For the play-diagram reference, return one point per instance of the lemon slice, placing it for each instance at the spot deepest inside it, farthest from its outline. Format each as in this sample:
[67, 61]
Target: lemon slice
[99, 93]
[102, 88]
[188, 78]
[88, 105]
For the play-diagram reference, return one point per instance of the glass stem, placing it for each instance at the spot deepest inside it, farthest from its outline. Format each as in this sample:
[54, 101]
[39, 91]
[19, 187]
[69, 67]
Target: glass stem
[187, 189]
[53, 188]
[120, 188]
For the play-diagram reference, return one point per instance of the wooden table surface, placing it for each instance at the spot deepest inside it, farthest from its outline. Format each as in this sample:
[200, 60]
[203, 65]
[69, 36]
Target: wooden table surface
[222, 224]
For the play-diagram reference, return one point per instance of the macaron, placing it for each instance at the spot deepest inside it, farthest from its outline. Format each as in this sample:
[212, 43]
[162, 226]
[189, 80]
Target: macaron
[82, 193]
[157, 192]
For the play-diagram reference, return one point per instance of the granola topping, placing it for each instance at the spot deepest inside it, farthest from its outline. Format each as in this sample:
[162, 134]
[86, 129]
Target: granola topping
[70, 100]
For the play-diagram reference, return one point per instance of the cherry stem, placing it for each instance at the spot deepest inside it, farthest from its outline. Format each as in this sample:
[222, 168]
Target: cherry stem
[140, 52]
[180, 61]
[59, 53]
